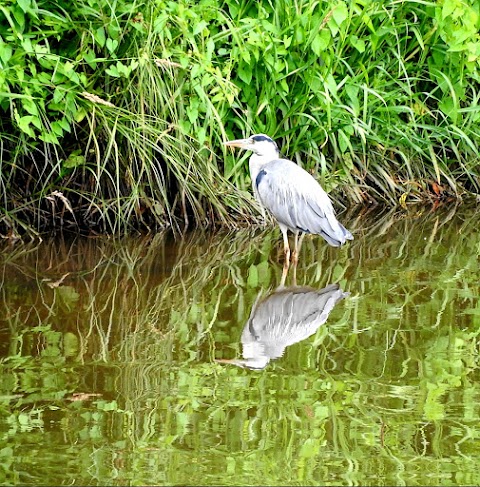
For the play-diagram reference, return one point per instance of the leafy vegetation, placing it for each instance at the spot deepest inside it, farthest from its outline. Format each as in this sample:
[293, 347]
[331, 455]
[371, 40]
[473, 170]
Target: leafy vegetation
[108, 373]
[112, 115]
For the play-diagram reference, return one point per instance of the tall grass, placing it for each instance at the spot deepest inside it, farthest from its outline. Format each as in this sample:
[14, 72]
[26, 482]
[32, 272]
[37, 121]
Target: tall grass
[113, 115]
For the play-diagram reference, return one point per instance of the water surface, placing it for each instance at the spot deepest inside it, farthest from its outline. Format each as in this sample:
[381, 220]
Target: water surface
[111, 353]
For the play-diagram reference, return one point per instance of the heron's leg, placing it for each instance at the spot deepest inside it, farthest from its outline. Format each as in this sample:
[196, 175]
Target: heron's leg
[286, 246]
[298, 246]
[294, 277]
[300, 241]
[295, 253]
[286, 249]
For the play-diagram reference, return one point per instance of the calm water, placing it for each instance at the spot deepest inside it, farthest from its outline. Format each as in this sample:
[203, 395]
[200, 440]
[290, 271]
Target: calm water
[109, 349]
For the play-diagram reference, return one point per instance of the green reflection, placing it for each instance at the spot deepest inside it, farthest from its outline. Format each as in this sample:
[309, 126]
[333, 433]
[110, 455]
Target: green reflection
[108, 372]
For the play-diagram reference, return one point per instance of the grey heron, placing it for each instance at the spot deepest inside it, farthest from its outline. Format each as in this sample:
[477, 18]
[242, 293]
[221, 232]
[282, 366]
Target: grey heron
[292, 195]
[283, 318]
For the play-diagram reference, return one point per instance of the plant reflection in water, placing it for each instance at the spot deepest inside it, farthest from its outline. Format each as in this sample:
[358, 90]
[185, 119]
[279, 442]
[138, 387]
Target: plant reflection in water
[286, 316]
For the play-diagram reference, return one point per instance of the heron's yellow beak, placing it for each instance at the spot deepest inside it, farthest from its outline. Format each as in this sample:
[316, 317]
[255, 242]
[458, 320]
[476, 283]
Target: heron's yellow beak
[237, 143]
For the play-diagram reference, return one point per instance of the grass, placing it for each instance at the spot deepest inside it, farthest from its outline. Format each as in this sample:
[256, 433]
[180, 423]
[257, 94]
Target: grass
[122, 126]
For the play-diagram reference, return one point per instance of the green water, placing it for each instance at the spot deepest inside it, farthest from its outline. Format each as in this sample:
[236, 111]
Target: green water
[109, 375]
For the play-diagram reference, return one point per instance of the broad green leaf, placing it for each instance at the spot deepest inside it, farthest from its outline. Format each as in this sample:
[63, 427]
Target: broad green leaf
[30, 106]
[199, 27]
[321, 42]
[25, 5]
[449, 6]
[74, 160]
[100, 36]
[5, 52]
[340, 13]
[24, 124]
[90, 57]
[111, 45]
[19, 16]
[113, 71]
[245, 73]
[358, 44]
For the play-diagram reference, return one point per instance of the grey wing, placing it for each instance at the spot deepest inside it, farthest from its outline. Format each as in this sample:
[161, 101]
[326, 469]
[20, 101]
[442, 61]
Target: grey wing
[297, 201]
[289, 316]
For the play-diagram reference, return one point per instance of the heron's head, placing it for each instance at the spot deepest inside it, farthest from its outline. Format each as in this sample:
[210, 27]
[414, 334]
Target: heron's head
[260, 144]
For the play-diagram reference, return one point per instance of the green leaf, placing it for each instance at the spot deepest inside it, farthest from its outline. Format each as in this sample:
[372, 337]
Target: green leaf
[123, 69]
[99, 36]
[64, 123]
[472, 311]
[246, 56]
[113, 30]
[192, 110]
[30, 106]
[19, 16]
[24, 124]
[90, 58]
[343, 141]
[358, 44]
[58, 95]
[56, 128]
[449, 108]
[5, 52]
[80, 114]
[245, 73]
[448, 8]
[199, 27]
[25, 5]
[321, 42]
[113, 71]
[201, 135]
[185, 126]
[49, 138]
[109, 406]
[74, 160]
[111, 45]
[340, 13]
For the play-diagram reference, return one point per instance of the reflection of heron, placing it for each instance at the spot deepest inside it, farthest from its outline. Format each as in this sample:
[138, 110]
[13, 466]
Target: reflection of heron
[291, 195]
[285, 317]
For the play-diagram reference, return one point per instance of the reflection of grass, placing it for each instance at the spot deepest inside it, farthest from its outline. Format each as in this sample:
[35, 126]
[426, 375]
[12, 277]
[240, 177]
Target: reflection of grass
[389, 384]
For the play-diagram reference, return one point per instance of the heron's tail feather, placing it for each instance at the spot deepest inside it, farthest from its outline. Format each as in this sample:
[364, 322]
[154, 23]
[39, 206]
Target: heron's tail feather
[336, 235]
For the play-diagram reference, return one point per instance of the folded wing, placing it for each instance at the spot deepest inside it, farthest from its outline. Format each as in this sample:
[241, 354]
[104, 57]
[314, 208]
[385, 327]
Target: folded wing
[297, 201]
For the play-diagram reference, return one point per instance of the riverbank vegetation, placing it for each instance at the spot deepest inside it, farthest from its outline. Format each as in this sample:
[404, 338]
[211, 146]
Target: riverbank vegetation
[112, 115]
